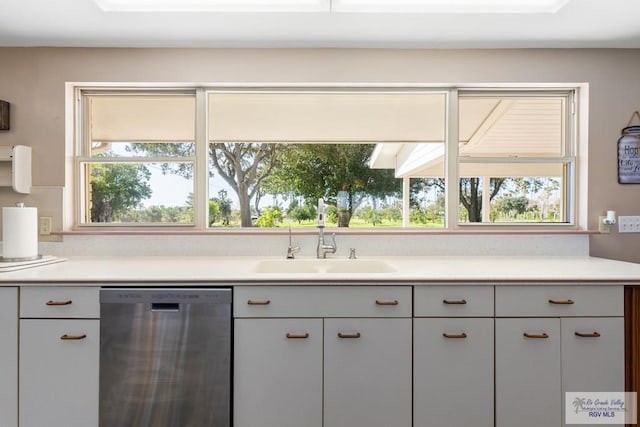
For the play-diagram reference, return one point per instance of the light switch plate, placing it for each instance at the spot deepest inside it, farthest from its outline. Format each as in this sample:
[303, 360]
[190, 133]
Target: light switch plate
[629, 224]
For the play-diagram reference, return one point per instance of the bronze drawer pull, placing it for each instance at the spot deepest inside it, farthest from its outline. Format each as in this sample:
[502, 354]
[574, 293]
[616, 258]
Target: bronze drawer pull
[592, 335]
[454, 302]
[565, 302]
[259, 302]
[297, 336]
[67, 302]
[382, 302]
[73, 337]
[462, 335]
[538, 336]
[341, 335]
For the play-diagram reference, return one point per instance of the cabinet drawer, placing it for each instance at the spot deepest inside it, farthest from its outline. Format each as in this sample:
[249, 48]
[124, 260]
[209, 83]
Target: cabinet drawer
[557, 301]
[59, 302]
[322, 301]
[453, 301]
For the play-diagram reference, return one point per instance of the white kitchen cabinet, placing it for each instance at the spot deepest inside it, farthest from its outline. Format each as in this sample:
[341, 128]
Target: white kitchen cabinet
[316, 377]
[453, 372]
[367, 372]
[278, 372]
[575, 343]
[592, 354]
[59, 357]
[59, 372]
[528, 381]
[9, 357]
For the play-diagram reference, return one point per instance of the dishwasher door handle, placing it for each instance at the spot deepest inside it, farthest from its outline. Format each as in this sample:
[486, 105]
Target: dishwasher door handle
[165, 306]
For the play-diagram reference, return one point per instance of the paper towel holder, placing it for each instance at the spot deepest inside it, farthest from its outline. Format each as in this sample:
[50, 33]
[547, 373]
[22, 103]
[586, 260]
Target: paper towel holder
[15, 168]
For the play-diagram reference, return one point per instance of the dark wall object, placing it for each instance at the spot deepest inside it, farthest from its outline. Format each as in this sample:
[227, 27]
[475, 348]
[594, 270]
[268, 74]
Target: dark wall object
[4, 115]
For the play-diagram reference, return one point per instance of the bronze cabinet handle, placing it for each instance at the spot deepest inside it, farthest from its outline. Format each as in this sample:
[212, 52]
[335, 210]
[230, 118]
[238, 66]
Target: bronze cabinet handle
[538, 336]
[565, 302]
[389, 302]
[66, 337]
[341, 335]
[297, 336]
[591, 335]
[259, 302]
[454, 302]
[462, 335]
[67, 302]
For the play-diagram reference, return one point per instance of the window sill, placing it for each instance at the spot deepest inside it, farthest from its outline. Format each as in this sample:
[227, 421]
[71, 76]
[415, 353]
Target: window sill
[355, 232]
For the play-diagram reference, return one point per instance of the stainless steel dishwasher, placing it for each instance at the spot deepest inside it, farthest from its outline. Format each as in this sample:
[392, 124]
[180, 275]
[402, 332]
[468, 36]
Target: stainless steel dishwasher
[165, 357]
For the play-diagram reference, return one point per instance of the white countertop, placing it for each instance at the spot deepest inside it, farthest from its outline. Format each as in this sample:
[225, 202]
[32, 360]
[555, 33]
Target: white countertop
[237, 270]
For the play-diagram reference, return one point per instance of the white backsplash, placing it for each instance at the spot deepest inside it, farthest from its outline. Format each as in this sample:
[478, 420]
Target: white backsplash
[276, 245]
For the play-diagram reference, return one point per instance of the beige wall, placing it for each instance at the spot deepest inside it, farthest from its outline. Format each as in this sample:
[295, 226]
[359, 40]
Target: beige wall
[32, 79]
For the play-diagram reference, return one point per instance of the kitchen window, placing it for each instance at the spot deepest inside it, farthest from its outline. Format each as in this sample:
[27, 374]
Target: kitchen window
[516, 156]
[210, 158]
[136, 160]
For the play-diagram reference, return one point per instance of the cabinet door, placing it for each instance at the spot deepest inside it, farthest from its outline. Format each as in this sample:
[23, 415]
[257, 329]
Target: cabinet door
[9, 357]
[592, 355]
[278, 372]
[528, 373]
[453, 372]
[59, 372]
[367, 375]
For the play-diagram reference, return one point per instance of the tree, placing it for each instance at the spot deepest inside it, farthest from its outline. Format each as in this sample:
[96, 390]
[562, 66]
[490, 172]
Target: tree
[322, 170]
[244, 166]
[305, 212]
[220, 208]
[117, 188]
[471, 195]
[270, 218]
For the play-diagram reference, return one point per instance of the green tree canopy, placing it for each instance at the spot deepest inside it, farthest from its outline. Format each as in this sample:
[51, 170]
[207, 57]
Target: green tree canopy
[322, 170]
[117, 188]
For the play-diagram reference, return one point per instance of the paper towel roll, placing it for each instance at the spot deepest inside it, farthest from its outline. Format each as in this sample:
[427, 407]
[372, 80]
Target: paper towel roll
[19, 233]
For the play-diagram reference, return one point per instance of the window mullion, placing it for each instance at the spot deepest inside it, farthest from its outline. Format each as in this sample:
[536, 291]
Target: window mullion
[452, 190]
[201, 196]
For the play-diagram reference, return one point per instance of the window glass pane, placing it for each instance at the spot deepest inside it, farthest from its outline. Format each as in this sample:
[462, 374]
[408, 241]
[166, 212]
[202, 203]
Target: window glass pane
[271, 185]
[138, 193]
[504, 126]
[427, 202]
[533, 194]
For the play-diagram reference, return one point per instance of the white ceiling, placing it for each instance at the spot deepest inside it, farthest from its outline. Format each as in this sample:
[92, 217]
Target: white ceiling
[579, 24]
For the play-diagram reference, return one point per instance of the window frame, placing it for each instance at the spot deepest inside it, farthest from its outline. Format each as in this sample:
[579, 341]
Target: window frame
[83, 155]
[568, 155]
[574, 141]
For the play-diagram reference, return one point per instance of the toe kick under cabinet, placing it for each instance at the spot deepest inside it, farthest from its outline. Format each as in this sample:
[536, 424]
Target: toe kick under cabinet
[59, 356]
[322, 356]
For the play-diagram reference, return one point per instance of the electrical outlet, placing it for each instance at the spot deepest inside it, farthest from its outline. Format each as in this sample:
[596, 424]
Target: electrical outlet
[44, 225]
[629, 224]
[602, 227]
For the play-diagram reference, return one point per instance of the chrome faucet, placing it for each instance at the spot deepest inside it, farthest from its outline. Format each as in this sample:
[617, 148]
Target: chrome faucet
[292, 250]
[323, 248]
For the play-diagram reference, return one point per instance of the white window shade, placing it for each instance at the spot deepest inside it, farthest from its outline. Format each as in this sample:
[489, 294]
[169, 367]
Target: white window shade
[327, 117]
[142, 118]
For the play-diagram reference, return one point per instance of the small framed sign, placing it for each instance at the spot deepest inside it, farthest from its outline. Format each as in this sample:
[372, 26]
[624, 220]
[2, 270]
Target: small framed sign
[4, 115]
[629, 153]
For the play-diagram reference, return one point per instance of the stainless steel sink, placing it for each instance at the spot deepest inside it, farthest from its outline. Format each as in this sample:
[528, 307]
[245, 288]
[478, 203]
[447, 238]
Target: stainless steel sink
[321, 266]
